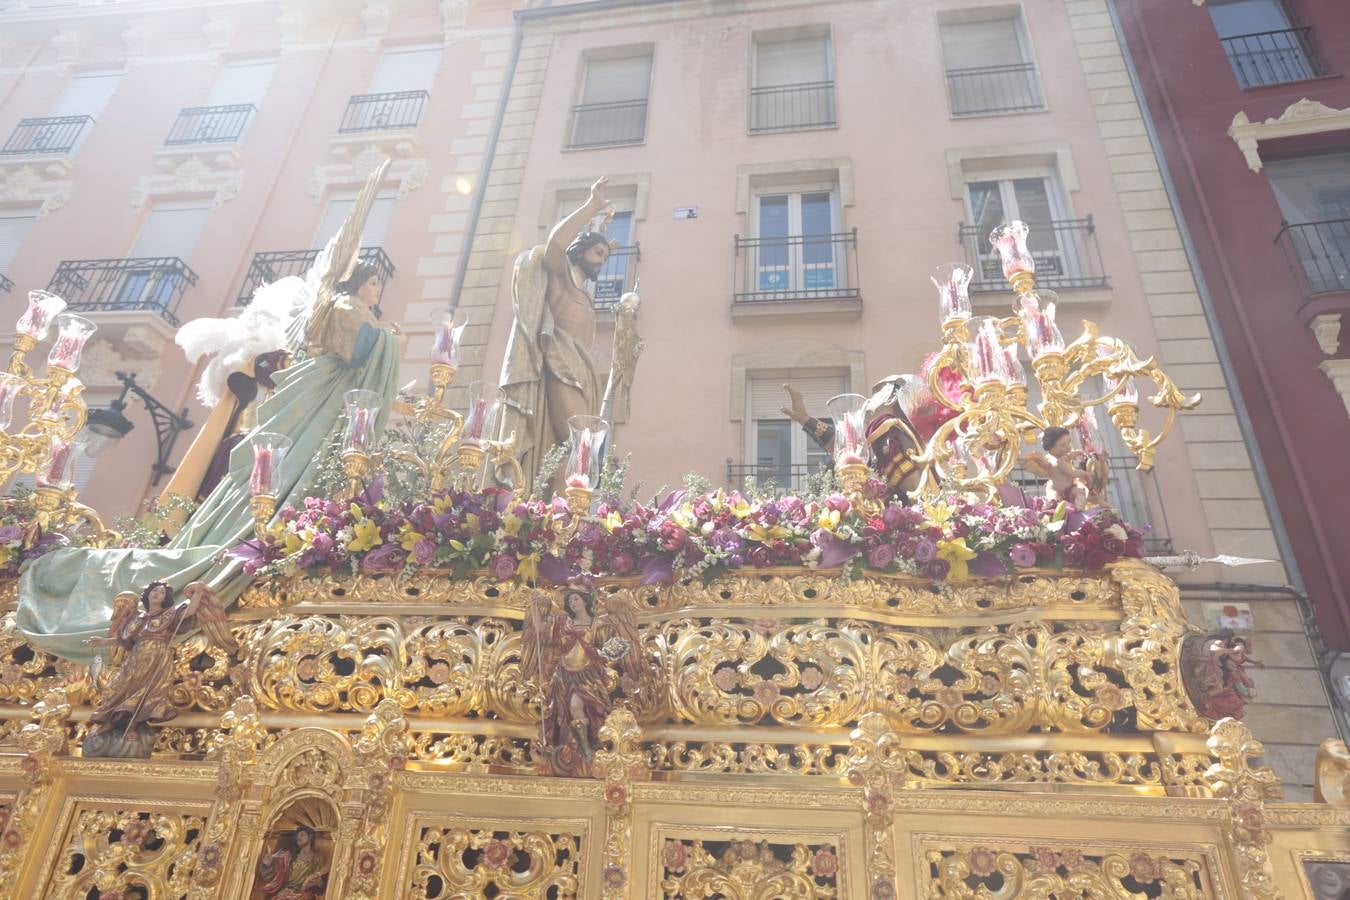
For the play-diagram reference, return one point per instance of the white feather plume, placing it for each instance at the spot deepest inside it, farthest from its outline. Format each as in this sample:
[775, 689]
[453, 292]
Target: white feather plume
[233, 343]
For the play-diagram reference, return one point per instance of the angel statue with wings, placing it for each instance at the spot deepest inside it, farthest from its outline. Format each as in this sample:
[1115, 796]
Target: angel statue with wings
[324, 324]
[141, 635]
[578, 659]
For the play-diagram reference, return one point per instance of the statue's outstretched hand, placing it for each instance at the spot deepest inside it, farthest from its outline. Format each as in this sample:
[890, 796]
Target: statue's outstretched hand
[797, 410]
[598, 192]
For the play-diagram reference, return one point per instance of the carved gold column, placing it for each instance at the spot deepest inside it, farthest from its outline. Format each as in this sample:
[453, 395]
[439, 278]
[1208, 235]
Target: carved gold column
[382, 752]
[873, 762]
[620, 763]
[1232, 777]
[41, 740]
[233, 748]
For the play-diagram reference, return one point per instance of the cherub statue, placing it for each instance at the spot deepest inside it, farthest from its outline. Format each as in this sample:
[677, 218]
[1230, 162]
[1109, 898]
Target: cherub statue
[1077, 476]
[1214, 673]
[578, 659]
[142, 642]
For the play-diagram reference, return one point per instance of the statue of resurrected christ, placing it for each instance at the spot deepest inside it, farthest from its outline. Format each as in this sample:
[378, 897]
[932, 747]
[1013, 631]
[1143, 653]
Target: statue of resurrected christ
[549, 374]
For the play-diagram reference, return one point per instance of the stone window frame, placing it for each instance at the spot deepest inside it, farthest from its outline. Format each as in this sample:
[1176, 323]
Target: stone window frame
[1301, 118]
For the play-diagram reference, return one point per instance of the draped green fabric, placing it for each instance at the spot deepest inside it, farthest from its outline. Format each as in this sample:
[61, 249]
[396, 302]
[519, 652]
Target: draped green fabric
[66, 596]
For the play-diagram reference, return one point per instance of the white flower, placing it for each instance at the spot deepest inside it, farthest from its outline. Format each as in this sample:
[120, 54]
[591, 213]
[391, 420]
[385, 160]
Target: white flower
[1117, 532]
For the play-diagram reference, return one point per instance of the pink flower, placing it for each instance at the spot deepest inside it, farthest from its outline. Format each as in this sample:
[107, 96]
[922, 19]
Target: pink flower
[824, 864]
[497, 853]
[766, 692]
[949, 697]
[812, 677]
[879, 804]
[726, 678]
[1144, 868]
[1046, 859]
[439, 672]
[366, 864]
[385, 559]
[1022, 555]
[307, 668]
[675, 856]
[925, 551]
[137, 832]
[983, 862]
[1071, 860]
[616, 795]
[502, 566]
[424, 552]
[883, 888]
[881, 556]
[13, 839]
[989, 684]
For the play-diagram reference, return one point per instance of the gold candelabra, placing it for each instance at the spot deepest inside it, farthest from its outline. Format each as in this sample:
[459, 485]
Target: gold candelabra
[262, 506]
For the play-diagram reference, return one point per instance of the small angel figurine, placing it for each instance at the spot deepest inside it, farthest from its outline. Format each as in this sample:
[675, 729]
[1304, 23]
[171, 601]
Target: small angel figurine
[142, 642]
[1073, 475]
[577, 659]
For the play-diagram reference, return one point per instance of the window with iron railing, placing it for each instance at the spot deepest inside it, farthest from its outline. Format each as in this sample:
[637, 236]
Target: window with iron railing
[1263, 43]
[273, 265]
[1313, 192]
[613, 103]
[210, 124]
[1318, 255]
[989, 68]
[793, 85]
[55, 134]
[146, 284]
[393, 111]
[1067, 256]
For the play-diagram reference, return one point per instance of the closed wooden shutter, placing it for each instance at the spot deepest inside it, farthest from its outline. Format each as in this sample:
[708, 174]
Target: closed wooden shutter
[242, 83]
[87, 95]
[412, 69]
[377, 223]
[976, 45]
[767, 396]
[171, 231]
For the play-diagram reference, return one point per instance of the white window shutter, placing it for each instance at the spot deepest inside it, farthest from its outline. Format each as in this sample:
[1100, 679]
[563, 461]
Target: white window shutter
[406, 70]
[767, 396]
[242, 83]
[171, 232]
[13, 229]
[976, 45]
[803, 61]
[86, 95]
[337, 209]
[617, 80]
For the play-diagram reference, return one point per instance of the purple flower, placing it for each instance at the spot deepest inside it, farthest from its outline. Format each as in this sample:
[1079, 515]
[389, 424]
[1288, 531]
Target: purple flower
[881, 556]
[937, 569]
[834, 550]
[384, 559]
[894, 517]
[725, 539]
[621, 563]
[837, 503]
[10, 533]
[874, 489]
[925, 551]
[424, 552]
[502, 566]
[1022, 555]
[590, 534]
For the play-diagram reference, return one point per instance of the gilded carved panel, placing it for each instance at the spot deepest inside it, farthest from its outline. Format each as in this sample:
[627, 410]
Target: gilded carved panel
[448, 857]
[746, 863]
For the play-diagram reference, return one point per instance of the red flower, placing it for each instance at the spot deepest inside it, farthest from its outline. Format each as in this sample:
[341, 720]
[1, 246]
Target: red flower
[879, 804]
[824, 864]
[497, 853]
[30, 765]
[137, 832]
[615, 795]
[1046, 859]
[366, 864]
[1144, 868]
[210, 856]
[1071, 860]
[1250, 817]
[675, 856]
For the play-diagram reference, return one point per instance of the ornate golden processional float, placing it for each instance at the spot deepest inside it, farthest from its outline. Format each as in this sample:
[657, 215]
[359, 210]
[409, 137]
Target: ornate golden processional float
[846, 694]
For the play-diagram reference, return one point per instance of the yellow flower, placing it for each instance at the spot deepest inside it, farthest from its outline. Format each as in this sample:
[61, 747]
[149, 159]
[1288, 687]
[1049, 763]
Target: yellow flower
[407, 538]
[958, 554]
[511, 524]
[6, 554]
[684, 517]
[829, 519]
[442, 503]
[471, 520]
[295, 542]
[528, 567]
[757, 532]
[939, 514]
[365, 536]
[613, 521]
[356, 512]
[742, 508]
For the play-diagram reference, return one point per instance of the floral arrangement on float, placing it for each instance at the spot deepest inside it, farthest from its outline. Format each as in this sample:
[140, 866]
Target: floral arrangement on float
[684, 536]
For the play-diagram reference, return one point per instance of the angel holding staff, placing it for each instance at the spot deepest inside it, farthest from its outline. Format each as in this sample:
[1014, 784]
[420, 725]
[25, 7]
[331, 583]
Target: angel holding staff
[138, 696]
[335, 344]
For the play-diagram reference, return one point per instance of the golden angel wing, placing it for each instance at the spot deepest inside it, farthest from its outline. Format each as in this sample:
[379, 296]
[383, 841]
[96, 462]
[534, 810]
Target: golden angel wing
[534, 639]
[210, 615]
[617, 635]
[339, 256]
[124, 610]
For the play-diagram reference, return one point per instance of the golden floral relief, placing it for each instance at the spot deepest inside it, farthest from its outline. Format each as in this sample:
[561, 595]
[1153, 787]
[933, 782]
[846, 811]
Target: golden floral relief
[749, 870]
[468, 861]
[1063, 872]
[125, 853]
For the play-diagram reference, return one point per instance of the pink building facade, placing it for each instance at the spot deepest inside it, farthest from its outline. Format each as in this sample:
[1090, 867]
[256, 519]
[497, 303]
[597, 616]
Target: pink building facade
[786, 176]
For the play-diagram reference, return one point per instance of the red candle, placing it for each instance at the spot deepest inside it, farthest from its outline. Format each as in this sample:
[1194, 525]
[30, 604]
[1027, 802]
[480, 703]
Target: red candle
[360, 428]
[443, 345]
[56, 464]
[473, 430]
[581, 477]
[261, 480]
[66, 353]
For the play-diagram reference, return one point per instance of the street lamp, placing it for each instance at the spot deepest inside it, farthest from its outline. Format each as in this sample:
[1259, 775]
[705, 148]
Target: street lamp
[105, 427]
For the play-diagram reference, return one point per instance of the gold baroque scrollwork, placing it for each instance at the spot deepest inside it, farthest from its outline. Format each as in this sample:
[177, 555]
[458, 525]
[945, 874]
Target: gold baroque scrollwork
[114, 850]
[1246, 788]
[749, 870]
[1062, 872]
[463, 861]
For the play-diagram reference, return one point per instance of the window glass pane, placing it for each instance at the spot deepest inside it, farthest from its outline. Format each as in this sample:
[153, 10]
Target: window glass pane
[13, 229]
[243, 83]
[817, 250]
[977, 45]
[986, 205]
[610, 283]
[406, 70]
[773, 247]
[803, 61]
[1033, 207]
[1312, 188]
[1238, 17]
[617, 80]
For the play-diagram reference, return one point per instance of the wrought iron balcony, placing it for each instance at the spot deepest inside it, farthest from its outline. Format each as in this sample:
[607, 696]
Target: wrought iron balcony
[55, 134]
[1272, 57]
[152, 284]
[797, 267]
[607, 124]
[788, 476]
[990, 90]
[792, 107]
[1072, 258]
[6, 285]
[1318, 254]
[383, 112]
[618, 276]
[273, 265]
[210, 124]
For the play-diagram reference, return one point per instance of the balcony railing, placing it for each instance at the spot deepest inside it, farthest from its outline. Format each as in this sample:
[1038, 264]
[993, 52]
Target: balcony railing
[792, 107]
[607, 124]
[788, 476]
[57, 134]
[1066, 257]
[6, 285]
[797, 267]
[153, 284]
[383, 112]
[1318, 254]
[273, 265]
[990, 90]
[1272, 57]
[210, 124]
[618, 276]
